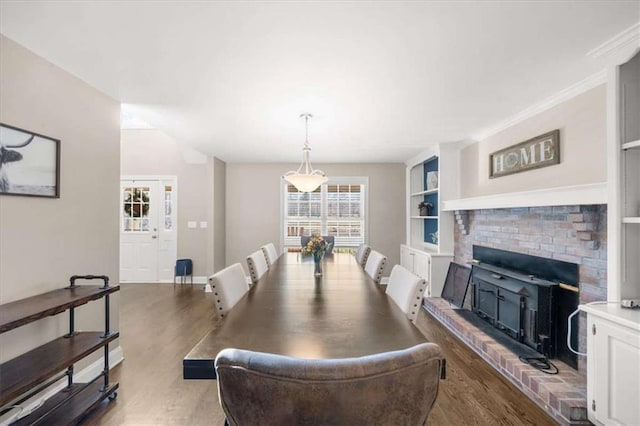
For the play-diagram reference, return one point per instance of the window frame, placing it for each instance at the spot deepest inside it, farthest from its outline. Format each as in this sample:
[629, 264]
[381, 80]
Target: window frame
[324, 219]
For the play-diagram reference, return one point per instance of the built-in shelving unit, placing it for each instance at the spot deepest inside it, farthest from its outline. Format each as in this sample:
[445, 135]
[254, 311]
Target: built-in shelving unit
[34, 371]
[613, 332]
[431, 178]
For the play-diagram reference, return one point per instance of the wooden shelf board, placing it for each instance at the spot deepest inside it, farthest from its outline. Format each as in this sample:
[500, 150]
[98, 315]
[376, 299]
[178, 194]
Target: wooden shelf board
[631, 220]
[430, 191]
[24, 311]
[632, 144]
[20, 374]
[74, 410]
[424, 217]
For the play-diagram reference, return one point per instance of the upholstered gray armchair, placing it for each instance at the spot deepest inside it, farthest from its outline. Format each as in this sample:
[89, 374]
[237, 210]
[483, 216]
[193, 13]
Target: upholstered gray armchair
[392, 388]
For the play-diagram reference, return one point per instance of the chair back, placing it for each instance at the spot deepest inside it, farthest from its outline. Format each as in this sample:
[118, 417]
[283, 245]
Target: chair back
[270, 254]
[406, 290]
[362, 254]
[228, 286]
[331, 240]
[375, 265]
[391, 388]
[257, 265]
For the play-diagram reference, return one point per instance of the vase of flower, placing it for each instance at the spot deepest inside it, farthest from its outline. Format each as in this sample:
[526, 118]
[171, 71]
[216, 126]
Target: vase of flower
[317, 264]
[316, 247]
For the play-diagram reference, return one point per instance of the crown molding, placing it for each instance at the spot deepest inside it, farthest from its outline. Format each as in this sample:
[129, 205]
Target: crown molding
[560, 97]
[629, 36]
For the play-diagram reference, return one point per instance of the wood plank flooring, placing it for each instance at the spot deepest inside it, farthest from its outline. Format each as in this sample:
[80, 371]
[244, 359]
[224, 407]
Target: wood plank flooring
[159, 324]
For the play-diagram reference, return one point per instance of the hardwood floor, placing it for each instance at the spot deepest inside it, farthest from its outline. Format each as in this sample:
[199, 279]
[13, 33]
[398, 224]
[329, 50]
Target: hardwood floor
[160, 324]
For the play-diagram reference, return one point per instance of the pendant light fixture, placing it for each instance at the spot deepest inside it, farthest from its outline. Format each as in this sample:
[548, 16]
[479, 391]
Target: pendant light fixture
[305, 178]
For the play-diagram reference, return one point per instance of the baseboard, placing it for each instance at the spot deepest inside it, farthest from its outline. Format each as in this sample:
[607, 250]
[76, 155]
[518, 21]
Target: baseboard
[116, 356]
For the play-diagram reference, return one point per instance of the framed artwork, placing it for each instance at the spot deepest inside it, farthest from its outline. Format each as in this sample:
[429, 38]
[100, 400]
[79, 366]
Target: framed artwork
[29, 163]
[541, 151]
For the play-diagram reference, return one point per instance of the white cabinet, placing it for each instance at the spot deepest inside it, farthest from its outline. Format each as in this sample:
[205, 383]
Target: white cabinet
[432, 178]
[432, 267]
[613, 364]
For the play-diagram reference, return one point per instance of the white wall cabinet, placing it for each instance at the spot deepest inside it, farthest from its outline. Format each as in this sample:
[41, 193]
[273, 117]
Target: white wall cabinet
[613, 364]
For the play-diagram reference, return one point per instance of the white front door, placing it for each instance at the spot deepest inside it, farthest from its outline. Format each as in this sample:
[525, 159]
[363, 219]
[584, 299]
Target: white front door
[148, 242]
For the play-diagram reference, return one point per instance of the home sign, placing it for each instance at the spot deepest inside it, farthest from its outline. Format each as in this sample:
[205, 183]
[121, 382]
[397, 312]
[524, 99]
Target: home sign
[541, 151]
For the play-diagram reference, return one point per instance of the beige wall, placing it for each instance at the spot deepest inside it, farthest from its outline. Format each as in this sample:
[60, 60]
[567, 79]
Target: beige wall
[582, 124]
[253, 206]
[219, 219]
[43, 241]
[152, 152]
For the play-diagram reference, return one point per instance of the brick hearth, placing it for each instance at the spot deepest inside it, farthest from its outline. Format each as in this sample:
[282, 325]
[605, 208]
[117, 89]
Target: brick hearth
[563, 396]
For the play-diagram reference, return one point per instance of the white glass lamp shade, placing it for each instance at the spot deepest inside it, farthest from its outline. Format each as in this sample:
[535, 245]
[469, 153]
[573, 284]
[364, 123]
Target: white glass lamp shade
[306, 182]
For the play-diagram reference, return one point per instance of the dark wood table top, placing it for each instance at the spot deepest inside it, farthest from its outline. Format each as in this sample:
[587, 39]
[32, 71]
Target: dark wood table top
[342, 314]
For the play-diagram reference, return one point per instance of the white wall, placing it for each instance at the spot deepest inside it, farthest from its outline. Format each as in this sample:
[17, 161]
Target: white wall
[253, 206]
[43, 241]
[152, 152]
[582, 124]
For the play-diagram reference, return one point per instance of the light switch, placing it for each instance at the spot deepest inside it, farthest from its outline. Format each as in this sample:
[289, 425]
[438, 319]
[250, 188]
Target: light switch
[192, 224]
[203, 224]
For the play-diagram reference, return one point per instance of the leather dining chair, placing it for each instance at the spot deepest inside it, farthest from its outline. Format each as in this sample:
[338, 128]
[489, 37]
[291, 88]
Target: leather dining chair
[362, 254]
[390, 388]
[228, 286]
[406, 290]
[375, 265]
[257, 265]
[270, 254]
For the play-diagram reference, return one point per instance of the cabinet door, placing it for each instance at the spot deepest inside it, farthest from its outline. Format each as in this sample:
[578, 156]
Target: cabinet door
[613, 386]
[406, 258]
[421, 265]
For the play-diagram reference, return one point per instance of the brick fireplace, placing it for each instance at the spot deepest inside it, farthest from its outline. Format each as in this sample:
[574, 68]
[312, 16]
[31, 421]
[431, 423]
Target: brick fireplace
[575, 234]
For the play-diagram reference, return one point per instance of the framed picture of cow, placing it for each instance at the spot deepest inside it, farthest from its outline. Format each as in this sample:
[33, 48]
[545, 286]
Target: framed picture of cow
[29, 163]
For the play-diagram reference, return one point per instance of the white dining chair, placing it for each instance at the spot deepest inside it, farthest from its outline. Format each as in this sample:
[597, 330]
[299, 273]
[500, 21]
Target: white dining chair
[375, 265]
[406, 290]
[362, 254]
[228, 286]
[270, 254]
[257, 264]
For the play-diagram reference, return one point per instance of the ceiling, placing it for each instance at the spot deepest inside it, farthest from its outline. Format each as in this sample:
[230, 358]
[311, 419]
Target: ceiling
[384, 80]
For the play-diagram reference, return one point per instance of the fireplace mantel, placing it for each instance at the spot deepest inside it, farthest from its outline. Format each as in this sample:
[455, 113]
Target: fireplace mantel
[595, 193]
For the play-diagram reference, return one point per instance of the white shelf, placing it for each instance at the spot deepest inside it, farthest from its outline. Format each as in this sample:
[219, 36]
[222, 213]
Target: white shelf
[430, 191]
[632, 144]
[595, 193]
[424, 217]
[631, 220]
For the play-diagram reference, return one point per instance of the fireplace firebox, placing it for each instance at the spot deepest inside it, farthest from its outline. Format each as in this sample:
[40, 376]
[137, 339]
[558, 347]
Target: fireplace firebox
[529, 298]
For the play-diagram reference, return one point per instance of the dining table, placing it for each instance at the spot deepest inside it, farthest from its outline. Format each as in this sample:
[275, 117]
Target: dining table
[290, 311]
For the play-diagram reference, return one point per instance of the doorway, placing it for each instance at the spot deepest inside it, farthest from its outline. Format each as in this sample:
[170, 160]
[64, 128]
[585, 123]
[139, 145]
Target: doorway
[148, 234]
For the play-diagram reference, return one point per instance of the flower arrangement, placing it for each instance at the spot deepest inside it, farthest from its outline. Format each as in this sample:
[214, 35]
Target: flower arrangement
[316, 246]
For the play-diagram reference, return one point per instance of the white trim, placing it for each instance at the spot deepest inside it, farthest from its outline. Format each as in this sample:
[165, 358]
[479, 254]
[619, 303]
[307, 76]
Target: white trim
[595, 193]
[626, 37]
[633, 144]
[88, 373]
[537, 108]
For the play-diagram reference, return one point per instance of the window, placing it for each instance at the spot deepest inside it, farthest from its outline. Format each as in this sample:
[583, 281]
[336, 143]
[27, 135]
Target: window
[336, 208]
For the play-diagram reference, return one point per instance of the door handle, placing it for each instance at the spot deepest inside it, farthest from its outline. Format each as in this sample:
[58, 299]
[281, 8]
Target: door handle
[154, 236]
